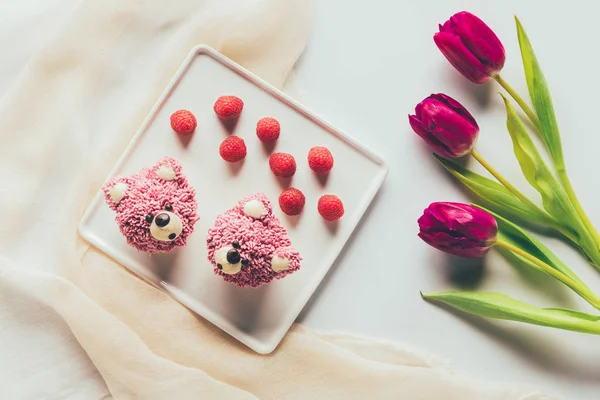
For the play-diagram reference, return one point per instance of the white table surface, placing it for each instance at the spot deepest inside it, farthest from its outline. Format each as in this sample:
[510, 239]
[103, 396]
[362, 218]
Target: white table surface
[367, 65]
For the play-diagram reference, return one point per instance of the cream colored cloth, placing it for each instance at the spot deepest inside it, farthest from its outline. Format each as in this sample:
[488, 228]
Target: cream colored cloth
[65, 124]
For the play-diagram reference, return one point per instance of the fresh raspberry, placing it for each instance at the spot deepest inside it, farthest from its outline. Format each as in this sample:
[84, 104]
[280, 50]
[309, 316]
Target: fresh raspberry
[228, 107]
[292, 201]
[267, 129]
[320, 160]
[282, 164]
[183, 122]
[233, 149]
[330, 207]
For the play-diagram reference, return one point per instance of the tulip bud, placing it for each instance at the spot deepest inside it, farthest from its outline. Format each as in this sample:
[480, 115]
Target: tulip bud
[471, 47]
[458, 229]
[445, 125]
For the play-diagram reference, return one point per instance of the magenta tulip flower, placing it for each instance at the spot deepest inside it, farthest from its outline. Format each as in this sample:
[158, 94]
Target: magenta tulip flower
[447, 127]
[458, 229]
[471, 47]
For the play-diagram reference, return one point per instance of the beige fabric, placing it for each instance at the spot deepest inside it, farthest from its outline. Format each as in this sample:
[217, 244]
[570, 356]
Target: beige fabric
[65, 124]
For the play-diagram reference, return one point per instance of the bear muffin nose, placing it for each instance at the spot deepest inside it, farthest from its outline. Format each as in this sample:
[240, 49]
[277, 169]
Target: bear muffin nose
[233, 256]
[166, 227]
[162, 220]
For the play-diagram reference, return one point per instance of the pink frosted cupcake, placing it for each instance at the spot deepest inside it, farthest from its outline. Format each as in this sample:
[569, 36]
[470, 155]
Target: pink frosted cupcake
[248, 246]
[156, 207]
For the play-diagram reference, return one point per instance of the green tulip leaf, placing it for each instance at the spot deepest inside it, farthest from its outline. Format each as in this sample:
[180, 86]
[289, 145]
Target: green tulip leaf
[540, 96]
[575, 314]
[495, 194]
[535, 169]
[518, 237]
[554, 198]
[500, 306]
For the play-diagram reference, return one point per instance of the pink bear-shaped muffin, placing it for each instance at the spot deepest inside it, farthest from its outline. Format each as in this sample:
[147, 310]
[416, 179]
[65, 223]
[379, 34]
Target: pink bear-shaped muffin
[156, 207]
[248, 246]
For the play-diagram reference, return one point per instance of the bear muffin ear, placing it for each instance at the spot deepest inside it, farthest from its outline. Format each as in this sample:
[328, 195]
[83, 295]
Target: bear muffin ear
[279, 264]
[285, 260]
[114, 191]
[256, 206]
[167, 169]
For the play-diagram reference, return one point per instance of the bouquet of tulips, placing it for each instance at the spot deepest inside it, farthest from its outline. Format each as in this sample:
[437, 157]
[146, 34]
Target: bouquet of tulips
[471, 230]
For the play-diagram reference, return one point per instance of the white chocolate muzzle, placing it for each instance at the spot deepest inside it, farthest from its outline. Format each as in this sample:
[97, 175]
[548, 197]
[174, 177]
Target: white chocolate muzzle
[225, 266]
[169, 232]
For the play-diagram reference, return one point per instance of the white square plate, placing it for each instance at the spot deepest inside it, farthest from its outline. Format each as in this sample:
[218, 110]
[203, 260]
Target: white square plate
[258, 317]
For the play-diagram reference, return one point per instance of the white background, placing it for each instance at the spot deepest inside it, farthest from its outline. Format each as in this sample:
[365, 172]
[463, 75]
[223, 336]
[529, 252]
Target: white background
[367, 65]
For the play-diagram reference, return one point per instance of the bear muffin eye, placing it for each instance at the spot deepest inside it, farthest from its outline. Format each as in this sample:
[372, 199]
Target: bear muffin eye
[168, 207]
[149, 218]
[235, 244]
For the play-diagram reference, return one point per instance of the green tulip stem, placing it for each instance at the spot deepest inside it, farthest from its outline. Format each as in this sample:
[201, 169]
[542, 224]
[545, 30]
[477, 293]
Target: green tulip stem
[578, 288]
[504, 182]
[524, 106]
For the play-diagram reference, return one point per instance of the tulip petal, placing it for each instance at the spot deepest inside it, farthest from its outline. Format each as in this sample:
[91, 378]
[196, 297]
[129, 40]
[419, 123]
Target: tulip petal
[446, 27]
[480, 40]
[419, 109]
[437, 146]
[429, 222]
[448, 128]
[458, 229]
[461, 57]
[469, 220]
[452, 245]
[456, 133]
[459, 143]
[454, 105]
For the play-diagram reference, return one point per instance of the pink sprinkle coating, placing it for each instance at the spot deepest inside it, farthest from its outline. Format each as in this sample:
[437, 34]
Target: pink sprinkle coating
[259, 240]
[149, 194]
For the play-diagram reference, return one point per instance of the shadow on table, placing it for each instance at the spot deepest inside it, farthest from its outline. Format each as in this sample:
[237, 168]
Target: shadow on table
[481, 94]
[468, 274]
[547, 353]
[465, 273]
[540, 282]
[484, 95]
[162, 265]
